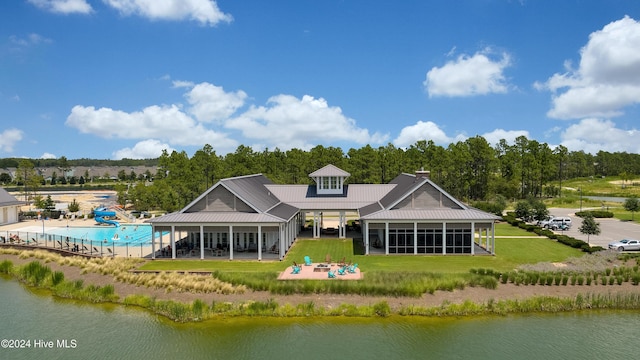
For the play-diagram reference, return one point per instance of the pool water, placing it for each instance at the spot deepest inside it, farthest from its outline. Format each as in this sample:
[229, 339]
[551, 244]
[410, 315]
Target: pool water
[133, 234]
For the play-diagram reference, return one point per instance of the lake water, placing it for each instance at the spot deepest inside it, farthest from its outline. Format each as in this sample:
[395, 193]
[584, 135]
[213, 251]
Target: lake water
[84, 331]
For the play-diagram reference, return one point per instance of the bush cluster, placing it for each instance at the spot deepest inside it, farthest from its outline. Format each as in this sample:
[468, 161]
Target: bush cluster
[595, 213]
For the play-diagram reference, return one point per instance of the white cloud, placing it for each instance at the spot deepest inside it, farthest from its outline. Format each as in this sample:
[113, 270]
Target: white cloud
[428, 130]
[607, 79]
[212, 103]
[64, 6]
[206, 12]
[147, 149]
[593, 135]
[431, 131]
[48, 156]
[9, 138]
[288, 122]
[510, 136]
[167, 123]
[29, 40]
[469, 76]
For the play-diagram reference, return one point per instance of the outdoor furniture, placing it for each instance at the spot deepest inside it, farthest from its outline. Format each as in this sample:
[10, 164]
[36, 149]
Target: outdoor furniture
[327, 259]
[111, 252]
[342, 270]
[352, 268]
[295, 268]
[307, 261]
[331, 274]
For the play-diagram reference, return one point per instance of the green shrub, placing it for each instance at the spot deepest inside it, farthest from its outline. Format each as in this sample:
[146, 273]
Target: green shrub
[57, 277]
[382, 309]
[5, 267]
[595, 213]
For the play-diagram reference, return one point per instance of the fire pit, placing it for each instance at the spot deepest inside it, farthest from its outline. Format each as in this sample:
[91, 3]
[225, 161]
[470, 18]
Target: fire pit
[322, 268]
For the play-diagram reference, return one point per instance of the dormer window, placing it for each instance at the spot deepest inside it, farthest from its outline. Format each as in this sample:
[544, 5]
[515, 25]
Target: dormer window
[329, 180]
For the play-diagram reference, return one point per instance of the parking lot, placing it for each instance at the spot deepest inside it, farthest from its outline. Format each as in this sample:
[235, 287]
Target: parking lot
[610, 229]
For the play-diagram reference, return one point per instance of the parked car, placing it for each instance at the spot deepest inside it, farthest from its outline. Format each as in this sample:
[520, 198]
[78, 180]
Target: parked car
[625, 245]
[556, 223]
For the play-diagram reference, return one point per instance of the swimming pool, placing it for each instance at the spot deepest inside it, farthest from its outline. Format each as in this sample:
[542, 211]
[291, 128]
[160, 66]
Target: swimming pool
[125, 234]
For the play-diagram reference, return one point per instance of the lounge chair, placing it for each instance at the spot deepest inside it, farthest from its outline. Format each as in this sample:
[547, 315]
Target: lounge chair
[295, 268]
[111, 252]
[327, 259]
[4, 239]
[307, 261]
[34, 241]
[352, 268]
[331, 274]
[342, 270]
[96, 251]
[273, 249]
[342, 262]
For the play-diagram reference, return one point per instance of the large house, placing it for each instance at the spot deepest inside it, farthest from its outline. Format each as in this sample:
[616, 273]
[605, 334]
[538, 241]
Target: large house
[9, 208]
[251, 215]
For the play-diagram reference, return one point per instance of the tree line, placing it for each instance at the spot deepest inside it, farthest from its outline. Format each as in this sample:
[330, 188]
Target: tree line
[470, 170]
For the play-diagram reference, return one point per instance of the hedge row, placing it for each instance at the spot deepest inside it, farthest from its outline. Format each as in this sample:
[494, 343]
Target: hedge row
[595, 213]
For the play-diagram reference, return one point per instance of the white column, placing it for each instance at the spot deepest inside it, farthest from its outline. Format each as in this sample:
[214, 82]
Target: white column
[341, 230]
[173, 242]
[473, 237]
[365, 227]
[316, 224]
[153, 242]
[444, 238]
[386, 236]
[282, 240]
[415, 237]
[259, 242]
[230, 237]
[202, 242]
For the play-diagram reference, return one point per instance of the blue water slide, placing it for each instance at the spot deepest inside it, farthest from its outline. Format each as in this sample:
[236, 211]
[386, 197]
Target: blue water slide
[101, 220]
[104, 212]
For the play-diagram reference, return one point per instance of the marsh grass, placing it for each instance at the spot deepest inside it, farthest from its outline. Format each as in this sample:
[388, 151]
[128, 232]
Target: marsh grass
[376, 283]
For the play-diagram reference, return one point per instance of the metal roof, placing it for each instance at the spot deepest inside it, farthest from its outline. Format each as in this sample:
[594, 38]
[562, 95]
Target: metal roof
[251, 189]
[329, 170]
[7, 199]
[230, 217]
[432, 214]
[356, 196]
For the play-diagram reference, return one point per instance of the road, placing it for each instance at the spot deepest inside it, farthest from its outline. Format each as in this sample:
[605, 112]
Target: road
[610, 229]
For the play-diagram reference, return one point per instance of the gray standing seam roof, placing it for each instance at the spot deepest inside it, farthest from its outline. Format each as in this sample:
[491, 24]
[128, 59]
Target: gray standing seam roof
[329, 170]
[7, 199]
[252, 190]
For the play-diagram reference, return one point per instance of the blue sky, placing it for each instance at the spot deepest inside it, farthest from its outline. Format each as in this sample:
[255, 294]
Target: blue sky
[112, 79]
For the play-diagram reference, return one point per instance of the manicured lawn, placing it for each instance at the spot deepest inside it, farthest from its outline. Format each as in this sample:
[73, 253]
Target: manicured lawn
[511, 252]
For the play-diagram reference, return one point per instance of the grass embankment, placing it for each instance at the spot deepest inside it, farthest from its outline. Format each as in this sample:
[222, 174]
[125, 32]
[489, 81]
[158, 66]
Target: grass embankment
[36, 274]
[410, 276]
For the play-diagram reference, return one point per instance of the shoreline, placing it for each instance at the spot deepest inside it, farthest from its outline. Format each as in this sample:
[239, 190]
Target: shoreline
[470, 301]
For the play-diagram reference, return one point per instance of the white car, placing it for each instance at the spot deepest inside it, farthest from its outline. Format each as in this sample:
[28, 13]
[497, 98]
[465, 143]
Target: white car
[625, 244]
